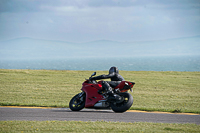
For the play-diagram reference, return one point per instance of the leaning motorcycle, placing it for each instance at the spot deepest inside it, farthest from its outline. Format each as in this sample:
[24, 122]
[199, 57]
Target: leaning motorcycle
[93, 96]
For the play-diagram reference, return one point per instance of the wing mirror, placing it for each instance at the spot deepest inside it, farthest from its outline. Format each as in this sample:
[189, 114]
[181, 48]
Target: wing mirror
[93, 74]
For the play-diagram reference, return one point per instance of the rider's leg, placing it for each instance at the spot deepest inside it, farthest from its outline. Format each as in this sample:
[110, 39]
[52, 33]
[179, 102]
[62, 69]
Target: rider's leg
[106, 86]
[109, 91]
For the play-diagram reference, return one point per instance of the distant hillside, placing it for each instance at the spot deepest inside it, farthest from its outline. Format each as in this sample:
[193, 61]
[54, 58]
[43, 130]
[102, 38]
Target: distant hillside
[28, 48]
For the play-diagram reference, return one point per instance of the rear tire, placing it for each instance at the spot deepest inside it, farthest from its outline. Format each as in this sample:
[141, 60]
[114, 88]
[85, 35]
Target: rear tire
[124, 105]
[77, 103]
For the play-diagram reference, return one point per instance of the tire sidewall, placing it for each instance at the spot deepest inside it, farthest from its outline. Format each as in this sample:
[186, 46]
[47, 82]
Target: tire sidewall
[76, 108]
[124, 107]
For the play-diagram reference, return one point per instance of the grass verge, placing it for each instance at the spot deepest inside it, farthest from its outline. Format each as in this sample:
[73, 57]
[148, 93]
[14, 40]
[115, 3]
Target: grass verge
[153, 91]
[99, 126]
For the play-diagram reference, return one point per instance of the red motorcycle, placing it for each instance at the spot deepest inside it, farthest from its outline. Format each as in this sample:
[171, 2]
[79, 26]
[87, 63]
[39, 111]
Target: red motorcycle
[93, 96]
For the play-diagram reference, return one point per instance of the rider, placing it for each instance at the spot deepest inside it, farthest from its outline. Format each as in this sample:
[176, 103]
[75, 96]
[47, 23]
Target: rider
[116, 79]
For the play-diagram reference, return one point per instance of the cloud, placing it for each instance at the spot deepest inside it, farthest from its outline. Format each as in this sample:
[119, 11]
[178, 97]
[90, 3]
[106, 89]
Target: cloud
[88, 20]
[18, 6]
[37, 5]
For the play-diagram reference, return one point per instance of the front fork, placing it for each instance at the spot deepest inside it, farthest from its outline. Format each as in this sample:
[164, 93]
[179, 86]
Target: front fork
[80, 96]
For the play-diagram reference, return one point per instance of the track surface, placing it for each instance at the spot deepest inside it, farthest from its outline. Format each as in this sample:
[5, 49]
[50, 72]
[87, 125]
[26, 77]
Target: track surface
[62, 114]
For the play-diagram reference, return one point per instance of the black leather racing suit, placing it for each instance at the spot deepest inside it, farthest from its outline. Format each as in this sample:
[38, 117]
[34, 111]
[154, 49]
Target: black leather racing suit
[115, 80]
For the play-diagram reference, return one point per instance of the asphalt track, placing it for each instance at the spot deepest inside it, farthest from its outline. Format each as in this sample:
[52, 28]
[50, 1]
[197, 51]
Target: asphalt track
[65, 114]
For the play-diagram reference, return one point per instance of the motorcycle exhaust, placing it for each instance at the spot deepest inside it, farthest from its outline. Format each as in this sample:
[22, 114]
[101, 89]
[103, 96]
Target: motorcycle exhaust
[101, 104]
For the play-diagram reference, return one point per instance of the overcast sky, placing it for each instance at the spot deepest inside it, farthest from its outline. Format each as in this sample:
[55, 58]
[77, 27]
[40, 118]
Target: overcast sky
[89, 20]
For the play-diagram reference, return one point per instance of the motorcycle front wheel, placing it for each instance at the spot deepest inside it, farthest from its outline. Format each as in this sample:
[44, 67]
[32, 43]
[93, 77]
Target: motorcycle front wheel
[124, 105]
[77, 102]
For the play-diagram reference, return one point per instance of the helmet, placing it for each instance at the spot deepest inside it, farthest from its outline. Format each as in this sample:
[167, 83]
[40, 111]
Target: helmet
[113, 69]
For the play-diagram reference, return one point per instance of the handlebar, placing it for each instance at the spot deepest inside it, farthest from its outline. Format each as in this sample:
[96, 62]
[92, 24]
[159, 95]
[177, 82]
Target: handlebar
[92, 81]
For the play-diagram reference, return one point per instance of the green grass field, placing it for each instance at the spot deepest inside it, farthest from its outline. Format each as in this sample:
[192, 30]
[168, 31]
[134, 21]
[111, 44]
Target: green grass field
[153, 91]
[99, 126]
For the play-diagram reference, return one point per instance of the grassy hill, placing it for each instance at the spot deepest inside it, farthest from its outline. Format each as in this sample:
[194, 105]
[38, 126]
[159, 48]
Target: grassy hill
[28, 48]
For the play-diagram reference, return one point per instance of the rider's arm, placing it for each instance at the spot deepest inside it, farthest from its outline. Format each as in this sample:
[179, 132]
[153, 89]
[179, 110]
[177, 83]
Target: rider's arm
[104, 76]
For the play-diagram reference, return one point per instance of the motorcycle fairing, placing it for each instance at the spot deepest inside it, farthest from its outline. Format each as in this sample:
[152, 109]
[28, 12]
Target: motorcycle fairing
[92, 95]
[125, 86]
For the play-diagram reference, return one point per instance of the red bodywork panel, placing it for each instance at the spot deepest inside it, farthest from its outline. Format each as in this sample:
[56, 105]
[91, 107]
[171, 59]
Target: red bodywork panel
[124, 86]
[92, 95]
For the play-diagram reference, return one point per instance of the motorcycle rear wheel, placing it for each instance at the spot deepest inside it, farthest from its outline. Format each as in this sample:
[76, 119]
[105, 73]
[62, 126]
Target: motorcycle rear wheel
[77, 103]
[124, 105]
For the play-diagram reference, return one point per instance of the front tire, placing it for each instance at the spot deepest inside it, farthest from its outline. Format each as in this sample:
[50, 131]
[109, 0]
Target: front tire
[77, 103]
[120, 107]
